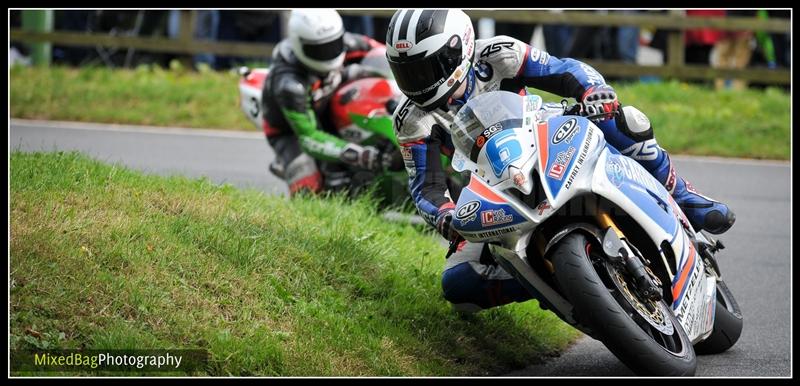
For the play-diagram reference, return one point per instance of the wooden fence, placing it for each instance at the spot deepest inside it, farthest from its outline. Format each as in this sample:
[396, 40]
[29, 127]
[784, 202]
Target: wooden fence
[675, 22]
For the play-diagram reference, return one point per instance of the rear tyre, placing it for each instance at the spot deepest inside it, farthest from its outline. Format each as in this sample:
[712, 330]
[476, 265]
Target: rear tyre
[727, 323]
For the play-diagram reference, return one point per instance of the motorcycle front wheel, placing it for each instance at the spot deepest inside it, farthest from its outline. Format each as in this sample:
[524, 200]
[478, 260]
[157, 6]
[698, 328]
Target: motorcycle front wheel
[649, 340]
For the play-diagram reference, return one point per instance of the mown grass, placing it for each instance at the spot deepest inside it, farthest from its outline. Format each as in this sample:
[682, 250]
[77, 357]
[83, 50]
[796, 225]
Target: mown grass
[696, 120]
[688, 119]
[148, 95]
[103, 257]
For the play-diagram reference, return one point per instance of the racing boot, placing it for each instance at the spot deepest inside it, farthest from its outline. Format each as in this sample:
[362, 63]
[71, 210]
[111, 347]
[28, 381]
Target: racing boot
[702, 211]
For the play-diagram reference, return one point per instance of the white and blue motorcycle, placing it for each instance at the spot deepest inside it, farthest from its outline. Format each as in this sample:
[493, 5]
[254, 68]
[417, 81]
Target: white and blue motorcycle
[590, 233]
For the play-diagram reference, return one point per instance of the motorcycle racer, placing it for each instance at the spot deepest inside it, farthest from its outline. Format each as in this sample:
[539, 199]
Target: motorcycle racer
[438, 66]
[308, 66]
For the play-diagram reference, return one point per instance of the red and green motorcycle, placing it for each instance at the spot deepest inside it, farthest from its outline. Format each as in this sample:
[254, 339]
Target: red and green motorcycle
[361, 112]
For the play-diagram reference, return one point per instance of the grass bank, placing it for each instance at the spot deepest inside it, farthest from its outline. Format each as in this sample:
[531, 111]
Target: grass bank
[103, 257]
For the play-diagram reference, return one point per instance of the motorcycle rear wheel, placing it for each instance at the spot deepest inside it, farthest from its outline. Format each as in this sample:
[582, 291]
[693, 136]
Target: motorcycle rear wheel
[727, 323]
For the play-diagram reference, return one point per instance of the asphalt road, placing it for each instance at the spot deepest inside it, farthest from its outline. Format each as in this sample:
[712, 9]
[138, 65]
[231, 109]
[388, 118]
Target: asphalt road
[756, 264]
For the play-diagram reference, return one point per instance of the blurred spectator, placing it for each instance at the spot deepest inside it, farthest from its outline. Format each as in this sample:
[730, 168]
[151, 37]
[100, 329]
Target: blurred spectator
[773, 49]
[733, 49]
[591, 42]
[248, 26]
[521, 31]
[206, 28]
[362, 24]
[557, 37]
[699, 42]
[77, 21]
[627, 41]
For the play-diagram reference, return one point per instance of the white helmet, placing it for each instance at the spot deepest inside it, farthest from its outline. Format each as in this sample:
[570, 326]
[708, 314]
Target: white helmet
[316, 37]
[430, 53]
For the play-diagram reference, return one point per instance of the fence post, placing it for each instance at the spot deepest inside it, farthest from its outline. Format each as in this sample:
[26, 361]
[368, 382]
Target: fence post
[676, 50]
[186, 29]
[39, 21]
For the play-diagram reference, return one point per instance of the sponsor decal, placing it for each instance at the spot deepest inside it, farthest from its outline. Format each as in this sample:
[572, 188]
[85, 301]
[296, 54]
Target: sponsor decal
[429, 218]
[453, 41]
[450, 82]
[544, 205]
[467, 39]
[581, 157]
[614, 171]
[519, 179]
[556, 171]
[592, 76]
[560, 163]
[535, 54]
[406, 152]
[690, 297]
[488, 133]
[495, 232]
[620, 168]
[324, 29]
[567, 129]
[403, 45]
[484, 71]
[495, 217]
[426, 89]
[458, 163]
[496, 47]
[671, 180]
[458, 73]
[544, 59]
[400, 116]
[468, 209]
[642, 151]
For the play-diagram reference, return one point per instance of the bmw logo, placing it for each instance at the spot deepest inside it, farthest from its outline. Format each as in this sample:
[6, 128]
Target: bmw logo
[484, 71]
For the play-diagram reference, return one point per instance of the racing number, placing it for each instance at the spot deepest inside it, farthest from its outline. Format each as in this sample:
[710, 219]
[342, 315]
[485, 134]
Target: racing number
[502, 150]
[255, 107]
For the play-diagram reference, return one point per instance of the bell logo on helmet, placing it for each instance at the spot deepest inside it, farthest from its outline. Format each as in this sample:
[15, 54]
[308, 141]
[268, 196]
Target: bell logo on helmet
[403, 45]
[325, 29]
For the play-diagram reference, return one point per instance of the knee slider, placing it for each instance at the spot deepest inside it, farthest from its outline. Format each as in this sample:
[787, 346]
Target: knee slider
[634, 124]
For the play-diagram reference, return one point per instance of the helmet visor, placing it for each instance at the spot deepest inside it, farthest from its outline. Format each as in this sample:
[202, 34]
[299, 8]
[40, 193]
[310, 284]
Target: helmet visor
[324, 51]
[419, 79]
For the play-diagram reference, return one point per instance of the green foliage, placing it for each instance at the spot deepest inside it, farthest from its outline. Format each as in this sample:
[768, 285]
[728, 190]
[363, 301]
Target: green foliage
[105, 257]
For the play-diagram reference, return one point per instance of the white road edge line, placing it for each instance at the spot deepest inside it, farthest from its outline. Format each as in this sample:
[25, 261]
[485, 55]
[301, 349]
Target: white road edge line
[253, 135]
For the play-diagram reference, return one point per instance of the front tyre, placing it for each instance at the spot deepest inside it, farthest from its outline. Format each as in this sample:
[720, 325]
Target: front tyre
[727, 323]
[648, 346]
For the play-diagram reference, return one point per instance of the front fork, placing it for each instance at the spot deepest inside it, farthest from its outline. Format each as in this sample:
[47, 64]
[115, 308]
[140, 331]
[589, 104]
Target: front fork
[619, 250]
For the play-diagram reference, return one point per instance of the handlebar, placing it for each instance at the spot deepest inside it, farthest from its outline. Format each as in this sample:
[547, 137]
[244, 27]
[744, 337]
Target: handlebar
[582, 110]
